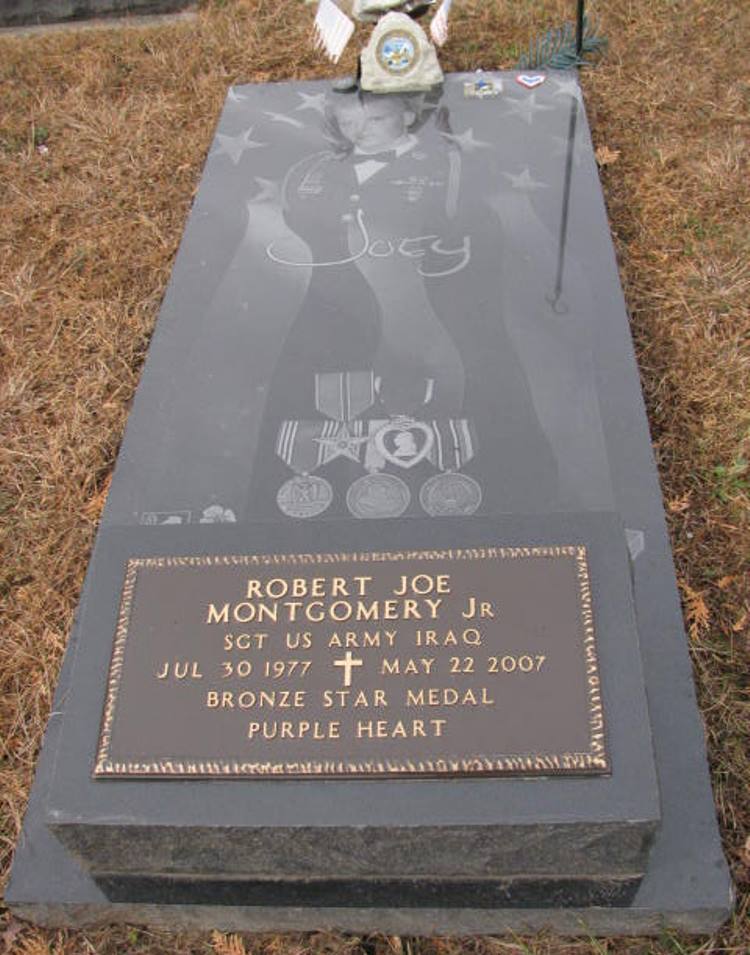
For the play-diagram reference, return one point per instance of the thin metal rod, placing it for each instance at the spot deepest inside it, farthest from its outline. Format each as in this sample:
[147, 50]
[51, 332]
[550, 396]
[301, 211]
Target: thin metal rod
[559, 307]
[579, 29]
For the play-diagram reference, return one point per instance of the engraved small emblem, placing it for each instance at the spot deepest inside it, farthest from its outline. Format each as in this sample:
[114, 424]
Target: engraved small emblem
[404, 442]
[342, 443]
[154, 518]
[304, 495]
[450, 494]
[397, 52]
[378, 495]
[216, 514]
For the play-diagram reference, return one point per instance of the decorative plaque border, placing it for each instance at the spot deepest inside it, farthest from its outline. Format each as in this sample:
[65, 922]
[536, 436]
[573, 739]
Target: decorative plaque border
[594, 761]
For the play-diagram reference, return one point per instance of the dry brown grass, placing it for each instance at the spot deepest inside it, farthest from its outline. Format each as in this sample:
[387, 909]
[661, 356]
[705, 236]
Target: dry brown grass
[89, 229]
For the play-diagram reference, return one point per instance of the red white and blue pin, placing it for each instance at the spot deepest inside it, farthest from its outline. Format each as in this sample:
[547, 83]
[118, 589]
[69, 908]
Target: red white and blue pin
[530, 81]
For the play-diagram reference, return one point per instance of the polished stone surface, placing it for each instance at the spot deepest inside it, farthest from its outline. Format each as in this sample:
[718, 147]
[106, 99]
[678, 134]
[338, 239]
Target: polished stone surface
[454, 828]
[465, 280]
[443, 258]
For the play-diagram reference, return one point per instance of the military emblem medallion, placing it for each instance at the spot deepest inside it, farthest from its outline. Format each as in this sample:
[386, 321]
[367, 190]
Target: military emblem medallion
[450, 494]
[378, 495]
[397, 52]
[304, 495]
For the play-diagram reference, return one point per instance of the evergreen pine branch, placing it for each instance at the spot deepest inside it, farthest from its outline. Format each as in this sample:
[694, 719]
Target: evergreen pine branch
[556, 49]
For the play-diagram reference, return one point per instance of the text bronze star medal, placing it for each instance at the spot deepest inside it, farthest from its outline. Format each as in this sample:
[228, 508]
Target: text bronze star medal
[418, 663]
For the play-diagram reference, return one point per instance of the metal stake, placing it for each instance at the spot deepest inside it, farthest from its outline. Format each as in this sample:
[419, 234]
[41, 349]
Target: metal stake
[579, 29]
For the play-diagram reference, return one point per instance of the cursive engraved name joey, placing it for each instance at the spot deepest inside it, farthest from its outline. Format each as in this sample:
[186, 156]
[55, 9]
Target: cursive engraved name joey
[415, 247]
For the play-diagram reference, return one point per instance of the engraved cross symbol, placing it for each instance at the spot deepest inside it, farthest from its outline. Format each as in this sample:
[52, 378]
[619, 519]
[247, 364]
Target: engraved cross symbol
[347, 663]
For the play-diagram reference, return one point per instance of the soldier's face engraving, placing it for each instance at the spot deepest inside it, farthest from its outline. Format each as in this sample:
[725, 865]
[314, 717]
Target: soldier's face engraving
[374, 123]
[405, 444]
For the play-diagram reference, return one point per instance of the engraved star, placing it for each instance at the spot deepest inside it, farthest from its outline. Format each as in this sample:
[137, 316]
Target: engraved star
[235, 146]
[526, 107]
[525, 181]
[342, 444]
[283, 118]
[268, 191]
[466, 141]
[314, 101]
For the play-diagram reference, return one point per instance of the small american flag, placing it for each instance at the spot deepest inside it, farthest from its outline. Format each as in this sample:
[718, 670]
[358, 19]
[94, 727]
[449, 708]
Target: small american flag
[439, 25]
[333, 29]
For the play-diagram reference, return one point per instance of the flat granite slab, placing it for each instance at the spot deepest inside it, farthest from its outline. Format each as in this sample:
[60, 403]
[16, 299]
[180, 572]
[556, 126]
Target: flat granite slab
[442, 324]
[686, 886]
[18, 13]
[582, 827]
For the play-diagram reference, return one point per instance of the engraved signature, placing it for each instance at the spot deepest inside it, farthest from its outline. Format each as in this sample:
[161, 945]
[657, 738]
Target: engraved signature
[409, 247]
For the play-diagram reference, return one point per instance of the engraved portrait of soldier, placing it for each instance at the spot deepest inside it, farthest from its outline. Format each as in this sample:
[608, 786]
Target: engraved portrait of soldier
[370, 336]
[388, 243]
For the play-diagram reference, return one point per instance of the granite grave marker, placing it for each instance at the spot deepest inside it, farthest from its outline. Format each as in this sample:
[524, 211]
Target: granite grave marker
[380, 630]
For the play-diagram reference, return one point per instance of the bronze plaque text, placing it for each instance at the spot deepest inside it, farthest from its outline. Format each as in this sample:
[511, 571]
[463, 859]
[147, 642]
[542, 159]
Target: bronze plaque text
[425, 663]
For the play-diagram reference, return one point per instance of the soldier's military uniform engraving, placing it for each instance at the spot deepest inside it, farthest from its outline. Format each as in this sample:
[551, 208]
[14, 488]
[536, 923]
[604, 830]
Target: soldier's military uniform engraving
[385, 330]
[372, 308]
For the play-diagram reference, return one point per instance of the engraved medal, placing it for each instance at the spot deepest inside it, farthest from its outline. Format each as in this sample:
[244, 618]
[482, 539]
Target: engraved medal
[454, 443]
[404, 441]
[450, 494]
[304, 495]
[344, 395]
[345, 440]
[301, 445]
[378, 495]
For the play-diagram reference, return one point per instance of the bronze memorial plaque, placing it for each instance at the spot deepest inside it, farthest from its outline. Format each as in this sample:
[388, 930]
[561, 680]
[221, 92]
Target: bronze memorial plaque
[414, 663]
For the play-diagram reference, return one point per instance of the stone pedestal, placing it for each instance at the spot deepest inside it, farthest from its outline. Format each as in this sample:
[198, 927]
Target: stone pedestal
[399, 58]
